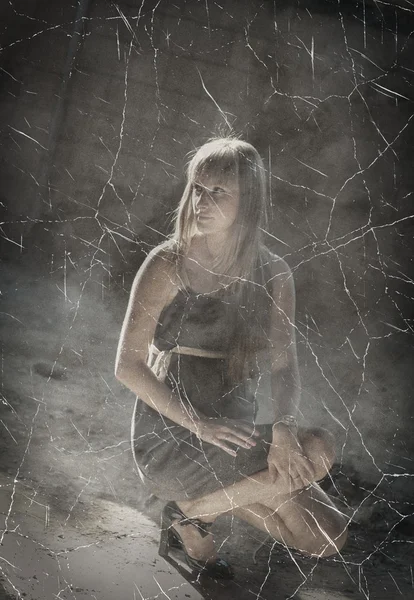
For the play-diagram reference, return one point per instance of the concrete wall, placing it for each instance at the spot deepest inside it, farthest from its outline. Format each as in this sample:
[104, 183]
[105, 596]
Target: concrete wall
[325, 94]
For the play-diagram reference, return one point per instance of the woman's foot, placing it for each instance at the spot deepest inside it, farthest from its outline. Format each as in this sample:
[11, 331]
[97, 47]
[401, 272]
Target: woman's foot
[199, 547]
[191, 535]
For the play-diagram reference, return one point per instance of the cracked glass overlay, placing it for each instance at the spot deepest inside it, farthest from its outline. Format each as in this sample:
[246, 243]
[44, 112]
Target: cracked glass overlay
[101, 103]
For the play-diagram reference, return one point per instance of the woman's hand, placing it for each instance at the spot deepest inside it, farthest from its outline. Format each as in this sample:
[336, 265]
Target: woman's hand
[287, 459]
[222, 431]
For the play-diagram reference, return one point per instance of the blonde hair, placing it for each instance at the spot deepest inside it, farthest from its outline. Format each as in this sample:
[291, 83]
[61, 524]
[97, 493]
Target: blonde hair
[228, 157]
[231, 157]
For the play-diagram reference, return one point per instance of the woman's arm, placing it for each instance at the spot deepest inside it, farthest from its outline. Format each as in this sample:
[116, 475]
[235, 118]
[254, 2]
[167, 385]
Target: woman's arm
[155, 286]
[285, 379]
[286, 457]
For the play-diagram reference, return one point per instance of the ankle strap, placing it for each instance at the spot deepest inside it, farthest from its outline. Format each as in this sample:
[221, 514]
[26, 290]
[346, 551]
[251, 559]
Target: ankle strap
[202, 527]
[176, 513]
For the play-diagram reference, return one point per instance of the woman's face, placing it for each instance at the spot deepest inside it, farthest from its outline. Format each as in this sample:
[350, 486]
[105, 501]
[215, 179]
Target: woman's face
[215, 202]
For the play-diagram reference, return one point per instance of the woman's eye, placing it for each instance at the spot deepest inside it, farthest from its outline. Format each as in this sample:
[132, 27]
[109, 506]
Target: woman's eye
[198, 189]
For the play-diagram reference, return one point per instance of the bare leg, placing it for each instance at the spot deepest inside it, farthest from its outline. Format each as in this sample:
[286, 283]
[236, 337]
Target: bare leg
[305, 520]
[317, 445]
[273, 507]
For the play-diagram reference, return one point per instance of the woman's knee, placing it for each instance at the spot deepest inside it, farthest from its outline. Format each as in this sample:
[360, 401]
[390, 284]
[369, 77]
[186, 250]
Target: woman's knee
[336, 545]
[319, 445]
[313, 540]
[326, 542]
[332, 543]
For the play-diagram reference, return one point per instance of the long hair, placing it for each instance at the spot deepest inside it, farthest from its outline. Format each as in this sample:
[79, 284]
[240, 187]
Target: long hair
[237, 266]
[223, 157]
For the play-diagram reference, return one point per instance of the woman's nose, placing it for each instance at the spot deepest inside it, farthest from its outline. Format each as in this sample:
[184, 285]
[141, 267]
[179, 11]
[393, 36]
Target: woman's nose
[202, 199]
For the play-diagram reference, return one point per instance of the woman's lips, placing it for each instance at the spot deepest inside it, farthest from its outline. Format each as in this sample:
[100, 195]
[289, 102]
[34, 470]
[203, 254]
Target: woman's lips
[201, 216]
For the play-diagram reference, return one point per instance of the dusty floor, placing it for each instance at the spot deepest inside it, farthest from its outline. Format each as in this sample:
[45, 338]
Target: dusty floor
[76, 523]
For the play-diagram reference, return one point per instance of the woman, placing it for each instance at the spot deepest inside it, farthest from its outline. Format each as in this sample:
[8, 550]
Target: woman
[208, 346]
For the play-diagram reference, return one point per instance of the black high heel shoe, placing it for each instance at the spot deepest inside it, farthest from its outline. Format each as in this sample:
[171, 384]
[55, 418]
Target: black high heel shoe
[170, 538]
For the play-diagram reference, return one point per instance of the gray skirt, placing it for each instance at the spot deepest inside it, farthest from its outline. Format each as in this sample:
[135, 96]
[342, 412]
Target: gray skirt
[174, 464]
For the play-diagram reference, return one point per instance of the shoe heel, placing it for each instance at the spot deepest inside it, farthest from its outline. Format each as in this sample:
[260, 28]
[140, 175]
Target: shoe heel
[164, 540]
[171, 539]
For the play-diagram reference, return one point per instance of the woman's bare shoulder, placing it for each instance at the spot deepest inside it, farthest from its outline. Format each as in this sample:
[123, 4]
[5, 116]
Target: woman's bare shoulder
[278, 266]
[281, 284]
[158, 273]
[165, 253]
